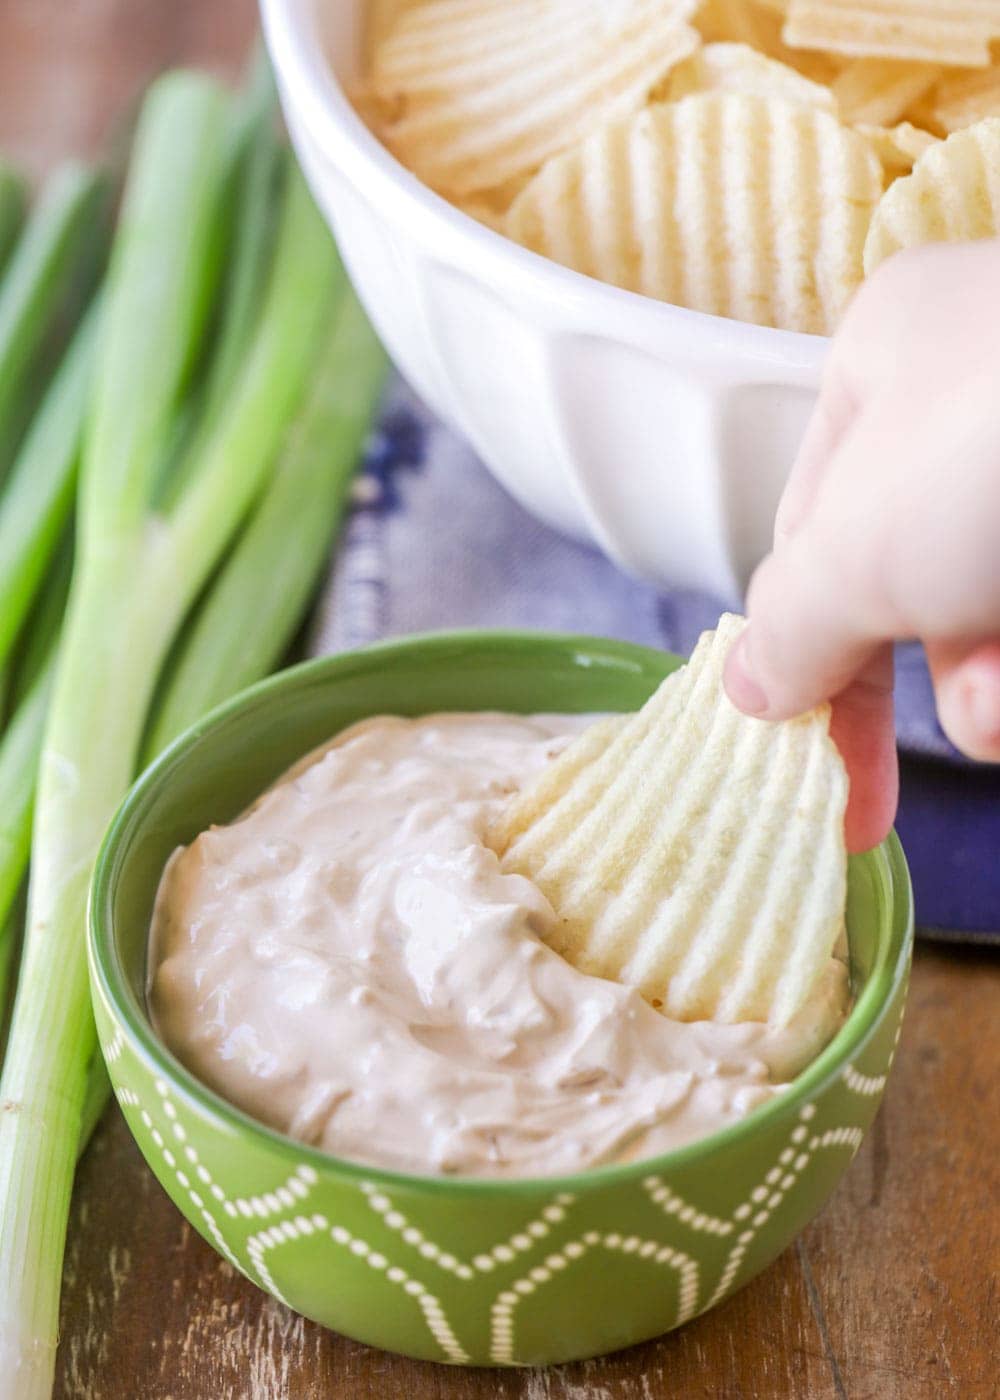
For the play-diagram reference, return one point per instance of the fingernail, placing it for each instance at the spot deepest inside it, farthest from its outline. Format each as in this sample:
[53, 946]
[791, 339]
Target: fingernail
[742, 685]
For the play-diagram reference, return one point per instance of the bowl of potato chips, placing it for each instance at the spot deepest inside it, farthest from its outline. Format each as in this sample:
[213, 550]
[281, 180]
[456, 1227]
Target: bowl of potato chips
[608, 240]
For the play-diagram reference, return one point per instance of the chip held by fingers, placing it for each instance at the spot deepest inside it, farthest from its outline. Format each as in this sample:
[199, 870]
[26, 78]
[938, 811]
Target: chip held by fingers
[691, 851]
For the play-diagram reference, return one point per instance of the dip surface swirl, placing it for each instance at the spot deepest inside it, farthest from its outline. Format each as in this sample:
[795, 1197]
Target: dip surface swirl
[348, 964]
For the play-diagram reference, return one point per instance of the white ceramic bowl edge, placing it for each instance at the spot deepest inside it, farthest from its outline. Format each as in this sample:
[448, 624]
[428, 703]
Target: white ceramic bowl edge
[663, 435]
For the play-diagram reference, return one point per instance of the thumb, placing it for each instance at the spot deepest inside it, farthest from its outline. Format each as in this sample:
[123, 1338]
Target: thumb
[811, 629]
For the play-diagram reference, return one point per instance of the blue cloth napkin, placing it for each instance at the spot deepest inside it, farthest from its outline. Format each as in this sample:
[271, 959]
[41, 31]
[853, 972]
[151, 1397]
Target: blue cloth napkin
[432, 541]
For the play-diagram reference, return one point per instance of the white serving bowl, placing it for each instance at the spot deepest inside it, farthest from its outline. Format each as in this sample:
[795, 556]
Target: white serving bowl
[664, 435]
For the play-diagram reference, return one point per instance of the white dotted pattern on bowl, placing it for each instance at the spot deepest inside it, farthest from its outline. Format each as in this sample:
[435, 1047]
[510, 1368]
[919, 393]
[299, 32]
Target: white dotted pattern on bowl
[285, 1208]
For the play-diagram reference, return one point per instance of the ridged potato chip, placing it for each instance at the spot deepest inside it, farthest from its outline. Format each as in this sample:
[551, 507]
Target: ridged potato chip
[751, 22]
[953, 194]
[931, 31]
[698, 855]
[533, 801]
[732, 204]
[476, 94]
[729, 67]
[962, 99]
[758, 23]
[897, 147]
[483, 212]
[920, 115]
[380, 16]
[880, 91]
[489, 207]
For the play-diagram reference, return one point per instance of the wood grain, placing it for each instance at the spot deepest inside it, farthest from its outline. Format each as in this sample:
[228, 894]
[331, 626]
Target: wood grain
[71, 70]
[890, 1295]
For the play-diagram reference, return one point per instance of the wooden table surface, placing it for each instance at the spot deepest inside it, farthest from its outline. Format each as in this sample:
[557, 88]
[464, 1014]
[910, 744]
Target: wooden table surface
[892, 1292]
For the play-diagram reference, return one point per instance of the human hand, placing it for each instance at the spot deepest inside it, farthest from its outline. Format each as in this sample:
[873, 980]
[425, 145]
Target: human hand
[889, 527]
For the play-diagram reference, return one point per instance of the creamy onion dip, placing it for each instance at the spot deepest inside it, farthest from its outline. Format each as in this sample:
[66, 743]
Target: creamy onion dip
[348, 963]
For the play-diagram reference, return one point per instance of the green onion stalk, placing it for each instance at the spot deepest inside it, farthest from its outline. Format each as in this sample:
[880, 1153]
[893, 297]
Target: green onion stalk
[257, 162]
[37, 499]
[20, 750]
[13, 202]
[55, 258]
[254, 167]
[256, 603]
[38, 495]
[10, 932]
[31, 677]
[137, 572]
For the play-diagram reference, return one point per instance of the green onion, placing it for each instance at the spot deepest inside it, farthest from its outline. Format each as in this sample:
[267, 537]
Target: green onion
[255, 605]
[55, 250]
[13, 201]
[21, 746]
[136, 576]
[94, 1099]
[159, 321]
[19, 754]
[38, 495]
[258, 165]
[43, 627]
[254, 169]
[10, 934]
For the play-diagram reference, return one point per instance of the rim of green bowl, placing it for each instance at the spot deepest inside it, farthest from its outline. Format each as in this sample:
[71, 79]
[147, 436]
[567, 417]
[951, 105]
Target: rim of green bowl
[889, 966]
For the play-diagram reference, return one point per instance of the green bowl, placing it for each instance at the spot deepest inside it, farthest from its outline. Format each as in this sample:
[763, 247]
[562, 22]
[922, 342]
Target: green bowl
[475, 1272]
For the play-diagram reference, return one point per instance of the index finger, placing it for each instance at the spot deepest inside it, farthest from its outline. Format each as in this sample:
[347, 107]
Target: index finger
[812, 628]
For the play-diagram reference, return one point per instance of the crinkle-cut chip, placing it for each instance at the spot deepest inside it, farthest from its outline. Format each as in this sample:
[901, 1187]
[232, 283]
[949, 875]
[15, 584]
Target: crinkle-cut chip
[380, 16]
[730, 67]
[752, 22]
[490, 206]
[897, 147]
[731, 204]
[962, 99]
[483, 212]
[758, 23]
[478, 93]
[365, 105]
[932, 31]
[953, 194]
[920, 114]
[700, 855]
[555, 780]
[879, 91]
